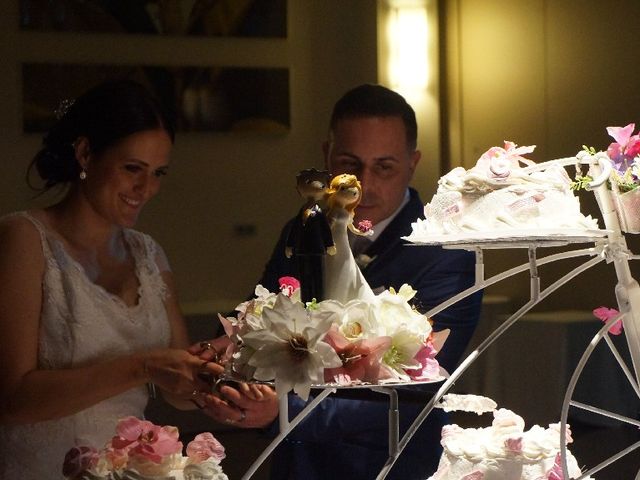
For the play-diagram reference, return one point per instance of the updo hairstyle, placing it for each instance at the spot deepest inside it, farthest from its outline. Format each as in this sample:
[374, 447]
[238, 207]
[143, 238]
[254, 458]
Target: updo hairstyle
[104, 115]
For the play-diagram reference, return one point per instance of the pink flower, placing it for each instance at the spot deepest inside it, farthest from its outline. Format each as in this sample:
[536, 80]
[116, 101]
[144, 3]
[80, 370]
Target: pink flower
[513, 445]
[205, 446]
[430, 367]
[606, 314]
[360, 358]
[556, 471]
[143, 438]
[364, 225]
[625, 148]
[288, 285]
[499, 162]
[79, 459]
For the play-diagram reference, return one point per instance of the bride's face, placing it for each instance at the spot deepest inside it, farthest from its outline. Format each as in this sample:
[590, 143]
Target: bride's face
[122, 179]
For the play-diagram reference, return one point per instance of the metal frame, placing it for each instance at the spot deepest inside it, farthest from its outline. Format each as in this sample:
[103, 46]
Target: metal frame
[609, 246]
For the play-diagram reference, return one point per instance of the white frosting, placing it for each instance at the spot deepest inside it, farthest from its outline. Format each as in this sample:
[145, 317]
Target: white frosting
[467, 403]
[206, 470]
[499, 195]
[503, 451]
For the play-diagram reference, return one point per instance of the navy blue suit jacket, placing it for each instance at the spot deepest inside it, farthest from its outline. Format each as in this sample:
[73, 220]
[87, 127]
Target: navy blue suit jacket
[346, 437]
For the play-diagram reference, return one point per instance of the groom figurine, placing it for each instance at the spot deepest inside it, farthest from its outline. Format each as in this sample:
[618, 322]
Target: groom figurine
[309, 237]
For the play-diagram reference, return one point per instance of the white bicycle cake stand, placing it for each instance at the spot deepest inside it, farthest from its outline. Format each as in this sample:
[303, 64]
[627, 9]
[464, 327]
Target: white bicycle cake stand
[609, 245]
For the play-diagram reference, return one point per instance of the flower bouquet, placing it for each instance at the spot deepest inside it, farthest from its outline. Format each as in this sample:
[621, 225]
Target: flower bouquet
[624, 154]
[275, 337]
[141, 450]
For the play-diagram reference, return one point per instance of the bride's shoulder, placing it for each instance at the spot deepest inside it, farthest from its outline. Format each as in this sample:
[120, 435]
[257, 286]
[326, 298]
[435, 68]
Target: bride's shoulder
[24, 226]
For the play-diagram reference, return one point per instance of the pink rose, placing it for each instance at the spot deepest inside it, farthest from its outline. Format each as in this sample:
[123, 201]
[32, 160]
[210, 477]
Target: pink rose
[79, 459]
[288, 285]
[364, 225]
[205, 446]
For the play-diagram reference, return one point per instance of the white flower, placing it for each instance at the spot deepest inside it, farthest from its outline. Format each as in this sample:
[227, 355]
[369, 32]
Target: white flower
[401, 355]
[396, 315]
[289, 348]
[356, 319]
[263, 298]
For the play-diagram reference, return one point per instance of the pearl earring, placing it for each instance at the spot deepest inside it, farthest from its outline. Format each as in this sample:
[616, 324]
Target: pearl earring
[83, 175]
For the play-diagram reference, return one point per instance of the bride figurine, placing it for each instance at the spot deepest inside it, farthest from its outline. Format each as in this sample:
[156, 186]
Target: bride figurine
[343, 280]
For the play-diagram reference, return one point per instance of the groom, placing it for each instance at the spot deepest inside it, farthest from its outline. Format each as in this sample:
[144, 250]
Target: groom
[373, 135]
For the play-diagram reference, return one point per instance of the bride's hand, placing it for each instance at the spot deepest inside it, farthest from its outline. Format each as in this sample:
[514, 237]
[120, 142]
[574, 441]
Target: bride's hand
[177, 371]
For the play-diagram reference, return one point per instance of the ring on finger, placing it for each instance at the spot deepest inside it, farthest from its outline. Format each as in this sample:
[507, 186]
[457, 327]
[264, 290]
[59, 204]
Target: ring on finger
[206, 346]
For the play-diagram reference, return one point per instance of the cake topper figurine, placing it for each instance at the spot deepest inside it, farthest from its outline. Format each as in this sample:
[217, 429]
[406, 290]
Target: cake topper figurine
[344, 280]
[310, 236]
[343, 197]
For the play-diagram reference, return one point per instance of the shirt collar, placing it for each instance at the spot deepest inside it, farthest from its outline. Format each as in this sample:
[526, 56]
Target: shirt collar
[379, 227]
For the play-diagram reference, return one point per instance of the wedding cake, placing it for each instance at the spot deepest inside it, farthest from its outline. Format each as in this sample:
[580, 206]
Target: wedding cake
[504, 194]
[141, 450]
[503, 451]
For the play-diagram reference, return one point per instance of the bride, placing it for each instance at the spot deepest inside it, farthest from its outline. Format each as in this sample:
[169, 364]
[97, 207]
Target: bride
[88, 310]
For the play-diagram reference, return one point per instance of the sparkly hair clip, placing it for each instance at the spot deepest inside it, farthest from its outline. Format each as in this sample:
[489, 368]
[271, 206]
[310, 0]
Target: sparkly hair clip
[63, 108]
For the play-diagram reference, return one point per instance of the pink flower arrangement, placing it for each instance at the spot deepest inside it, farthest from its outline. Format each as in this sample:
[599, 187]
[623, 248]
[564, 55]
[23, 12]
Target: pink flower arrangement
[144, 439]
[625, 149]
[606, 314]
[142, 446]
[277, 337]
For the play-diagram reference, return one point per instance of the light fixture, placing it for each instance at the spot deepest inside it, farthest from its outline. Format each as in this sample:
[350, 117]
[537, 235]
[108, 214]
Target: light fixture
[407, 40]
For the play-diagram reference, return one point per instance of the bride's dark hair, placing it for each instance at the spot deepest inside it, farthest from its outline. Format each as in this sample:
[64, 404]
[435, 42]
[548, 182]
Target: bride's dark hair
[104, 115]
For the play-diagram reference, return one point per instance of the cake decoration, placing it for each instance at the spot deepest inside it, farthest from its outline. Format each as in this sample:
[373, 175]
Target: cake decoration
[352, 337]
[624, 157]
[503, 451]
[309, 238]
[504, 194]
[141, 450]
[466, 403]
[277, 337]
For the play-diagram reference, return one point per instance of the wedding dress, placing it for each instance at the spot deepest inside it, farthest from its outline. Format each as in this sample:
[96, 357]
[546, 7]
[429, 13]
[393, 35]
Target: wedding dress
[82, 323]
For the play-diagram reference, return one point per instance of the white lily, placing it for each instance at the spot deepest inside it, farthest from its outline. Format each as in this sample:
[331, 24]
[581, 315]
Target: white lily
[290, 349]
[401, 354]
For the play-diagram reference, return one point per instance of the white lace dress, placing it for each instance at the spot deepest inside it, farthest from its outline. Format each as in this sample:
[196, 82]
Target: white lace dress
[81, 323]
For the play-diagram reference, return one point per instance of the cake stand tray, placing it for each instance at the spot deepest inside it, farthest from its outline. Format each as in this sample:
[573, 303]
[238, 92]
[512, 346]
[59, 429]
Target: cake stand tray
[513, 239]
[386, 388]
